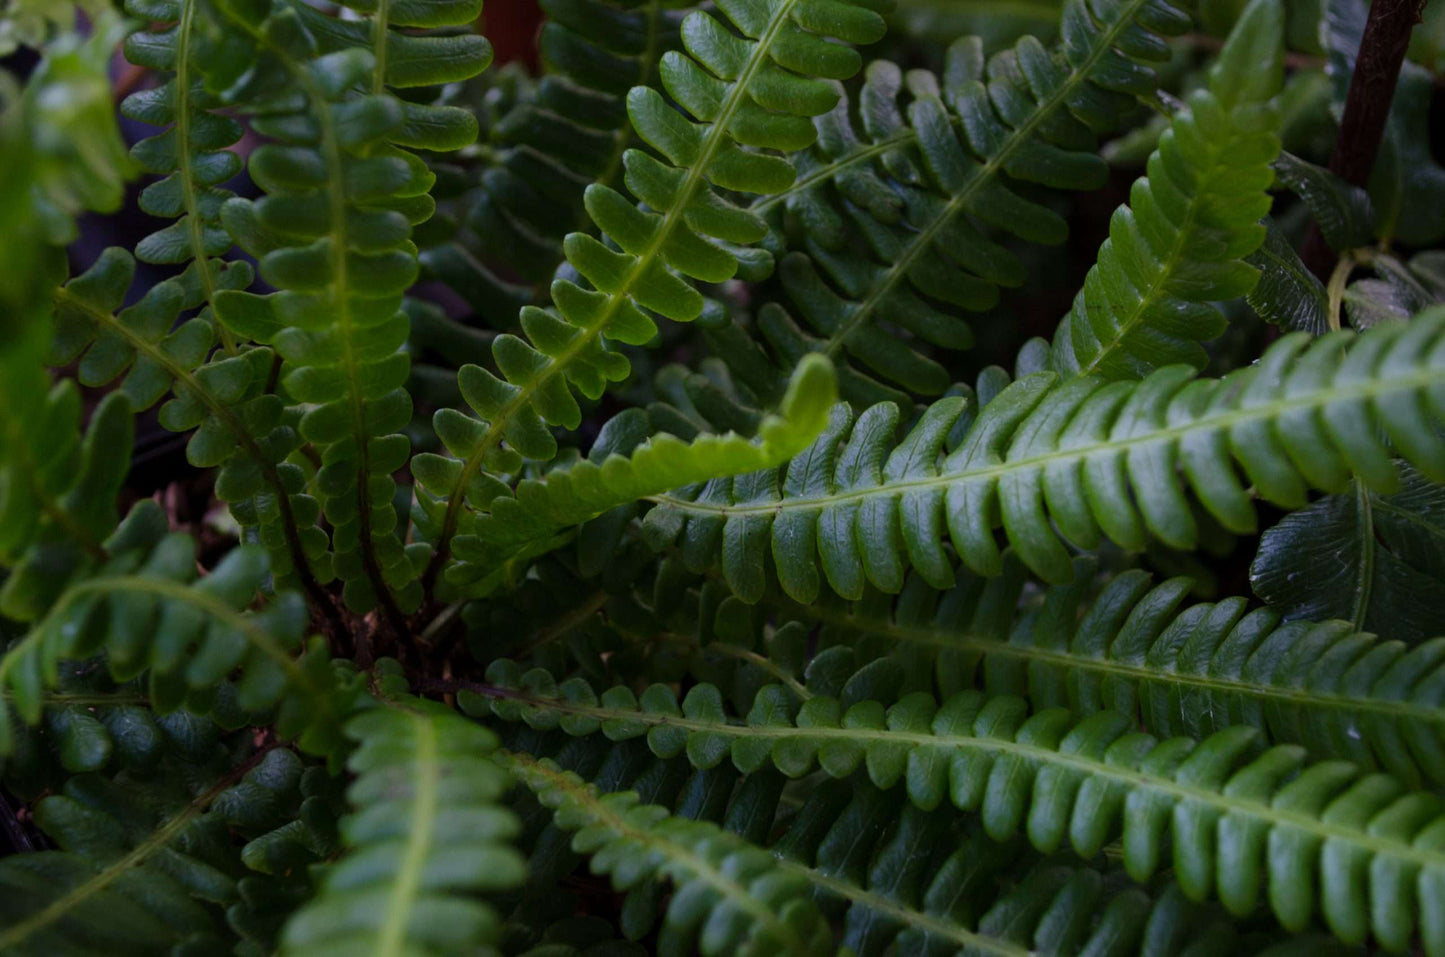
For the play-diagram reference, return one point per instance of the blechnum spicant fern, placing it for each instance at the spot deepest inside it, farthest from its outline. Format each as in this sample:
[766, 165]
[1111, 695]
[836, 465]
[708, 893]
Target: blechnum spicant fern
[662, 500]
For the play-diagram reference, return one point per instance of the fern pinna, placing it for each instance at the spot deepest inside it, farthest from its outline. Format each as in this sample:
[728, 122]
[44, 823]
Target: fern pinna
[665, 501]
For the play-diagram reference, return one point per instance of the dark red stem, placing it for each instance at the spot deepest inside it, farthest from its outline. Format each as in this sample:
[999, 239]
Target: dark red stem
[1367, 106]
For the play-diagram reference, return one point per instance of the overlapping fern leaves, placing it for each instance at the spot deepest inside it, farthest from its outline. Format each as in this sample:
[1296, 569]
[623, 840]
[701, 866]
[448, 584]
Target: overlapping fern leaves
[191, 154]
[934, 754]
[572, 496]
[1210, 809]
[147, 863]
[1189, 669]
[145, 612]
[333, 236]
[737, 95]
[901, 878]
[930, 189]
[221, 397]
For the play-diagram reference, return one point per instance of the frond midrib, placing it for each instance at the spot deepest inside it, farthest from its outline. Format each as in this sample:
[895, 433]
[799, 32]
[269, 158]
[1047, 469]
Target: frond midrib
[908, 916]
[1001, 647]
[336, 201]
[1367, 390]
[425, 805]
[195, 228]
[1132, 779]
[1139, 314]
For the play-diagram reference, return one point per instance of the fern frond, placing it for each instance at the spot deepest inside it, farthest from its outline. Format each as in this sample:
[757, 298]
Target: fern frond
[1374, 852]
[62, 155]
[89, 723]
[571, 496]
[333, 235]
[144, 861]
[1181, 242]
[146, 612]
[901, 879]
[425, 834]
[57, 488]
[1180, 669]
[191, 154]
[922, 889]
[239, 426]
[728, 894]
[737, 95]
[565, 132]
[929, 186]
[1080, 461]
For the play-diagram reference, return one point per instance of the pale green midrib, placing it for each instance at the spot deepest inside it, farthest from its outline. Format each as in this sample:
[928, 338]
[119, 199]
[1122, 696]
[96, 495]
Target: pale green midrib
[220, 410]
[381, 27]
[727, 650]
[588, 797]
[981, 176]
[943, 638]
[1365, 577]
[1367, 390]
[575, 616]
[760, 661]
[175, 591]
[138, 855]
[425, 781]
[337, 239]
[823, 173]
[717, 135]
[340, 285]
[195, 227]
[907, 916]
[1037, 756]
[721, 647]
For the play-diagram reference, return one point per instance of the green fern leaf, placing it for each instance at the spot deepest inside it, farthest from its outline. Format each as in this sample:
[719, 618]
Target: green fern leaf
[57, 488]
[1180, 244]
[1079, 461]
[1139, 650]
[1287, 294]
[333, 235]
[1077, 784]
[191, 154]
[426, 832]
[239, 426]
[563, 133]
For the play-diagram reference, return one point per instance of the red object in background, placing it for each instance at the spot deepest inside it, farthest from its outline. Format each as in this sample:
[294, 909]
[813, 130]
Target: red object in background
[512, 27]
